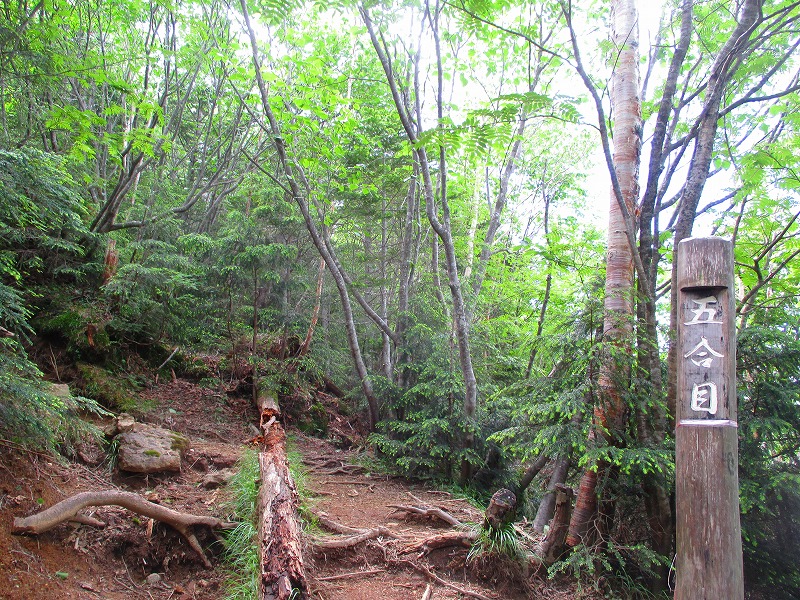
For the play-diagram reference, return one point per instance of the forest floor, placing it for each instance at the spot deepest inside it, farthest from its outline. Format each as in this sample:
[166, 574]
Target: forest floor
[119, 561]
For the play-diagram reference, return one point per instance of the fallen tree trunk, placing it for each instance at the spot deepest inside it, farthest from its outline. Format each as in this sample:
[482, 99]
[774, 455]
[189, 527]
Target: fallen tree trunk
[282, 570]
[67, 510]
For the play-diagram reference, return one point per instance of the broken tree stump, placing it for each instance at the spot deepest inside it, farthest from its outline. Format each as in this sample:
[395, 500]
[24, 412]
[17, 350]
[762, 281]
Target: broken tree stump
[501, 510]
[282, 569]
[554, 545]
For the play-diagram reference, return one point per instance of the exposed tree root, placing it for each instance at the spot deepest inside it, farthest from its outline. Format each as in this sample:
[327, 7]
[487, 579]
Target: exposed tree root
[442, 540]
[433, 576]
[350, 575]
[354, 536]
[354, 540]
[67, 510]
[428, 511]
[333, 526]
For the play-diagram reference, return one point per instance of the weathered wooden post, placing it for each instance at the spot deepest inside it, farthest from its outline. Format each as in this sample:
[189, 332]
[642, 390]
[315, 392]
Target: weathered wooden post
[709, 542]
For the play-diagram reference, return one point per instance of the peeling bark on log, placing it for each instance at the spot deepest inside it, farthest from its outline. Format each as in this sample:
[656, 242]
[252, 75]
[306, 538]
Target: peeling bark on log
[67, 510]
[282, 570]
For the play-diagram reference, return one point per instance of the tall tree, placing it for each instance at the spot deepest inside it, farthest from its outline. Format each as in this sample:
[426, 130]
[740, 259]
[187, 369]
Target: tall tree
[610, 413]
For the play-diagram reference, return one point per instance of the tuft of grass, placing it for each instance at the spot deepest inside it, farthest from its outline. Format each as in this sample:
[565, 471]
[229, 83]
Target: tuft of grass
[301, 483]
[502, 541]
[241, 543]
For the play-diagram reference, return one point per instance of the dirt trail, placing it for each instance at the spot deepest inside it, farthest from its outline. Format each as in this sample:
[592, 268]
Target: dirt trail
[133, 559]
[81, 563]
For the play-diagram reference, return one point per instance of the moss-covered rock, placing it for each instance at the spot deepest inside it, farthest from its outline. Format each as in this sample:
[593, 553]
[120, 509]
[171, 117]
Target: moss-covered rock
[108, 389]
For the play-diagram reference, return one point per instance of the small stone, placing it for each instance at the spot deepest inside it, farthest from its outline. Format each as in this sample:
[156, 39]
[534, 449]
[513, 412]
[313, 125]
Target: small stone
[153, 579]
[217, 478]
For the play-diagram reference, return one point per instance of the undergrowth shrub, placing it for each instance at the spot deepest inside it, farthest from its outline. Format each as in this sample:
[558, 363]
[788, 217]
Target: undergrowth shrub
[31, 415]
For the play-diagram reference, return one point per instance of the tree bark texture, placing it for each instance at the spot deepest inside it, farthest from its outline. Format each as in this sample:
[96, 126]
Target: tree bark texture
[281, 558]
[609, 414]
[547, 506]
[554, 545]
[501, 510]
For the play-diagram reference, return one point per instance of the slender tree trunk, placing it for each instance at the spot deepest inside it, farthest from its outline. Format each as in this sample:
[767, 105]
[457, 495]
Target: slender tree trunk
[721, 74]
[304, 347]
[548, 503]
[300, 198]
[609, 414]
[547, 288]
[531, 472]
[442, 229]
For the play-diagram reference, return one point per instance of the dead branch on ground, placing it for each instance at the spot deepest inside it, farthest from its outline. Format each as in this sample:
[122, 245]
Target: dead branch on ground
[433, 576]
[427, 511]
[67, 510]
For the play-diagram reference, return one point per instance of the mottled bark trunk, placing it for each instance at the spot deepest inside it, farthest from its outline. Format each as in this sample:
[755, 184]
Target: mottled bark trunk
[609, 414]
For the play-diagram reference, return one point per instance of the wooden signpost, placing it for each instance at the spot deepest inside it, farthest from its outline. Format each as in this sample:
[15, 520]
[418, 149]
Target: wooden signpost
[709, 544]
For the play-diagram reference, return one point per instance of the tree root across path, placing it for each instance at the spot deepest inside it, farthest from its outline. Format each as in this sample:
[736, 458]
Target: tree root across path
[67, 510]
[357, 536]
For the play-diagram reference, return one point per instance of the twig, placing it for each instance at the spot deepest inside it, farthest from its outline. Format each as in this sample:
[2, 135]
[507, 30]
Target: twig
[169, 358]
[53, 360]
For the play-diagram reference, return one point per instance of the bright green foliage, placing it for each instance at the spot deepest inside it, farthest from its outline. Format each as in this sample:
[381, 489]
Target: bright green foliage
[42, 229]
[616, 572]
[31, 415]
[142, 121]
[769, 459]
